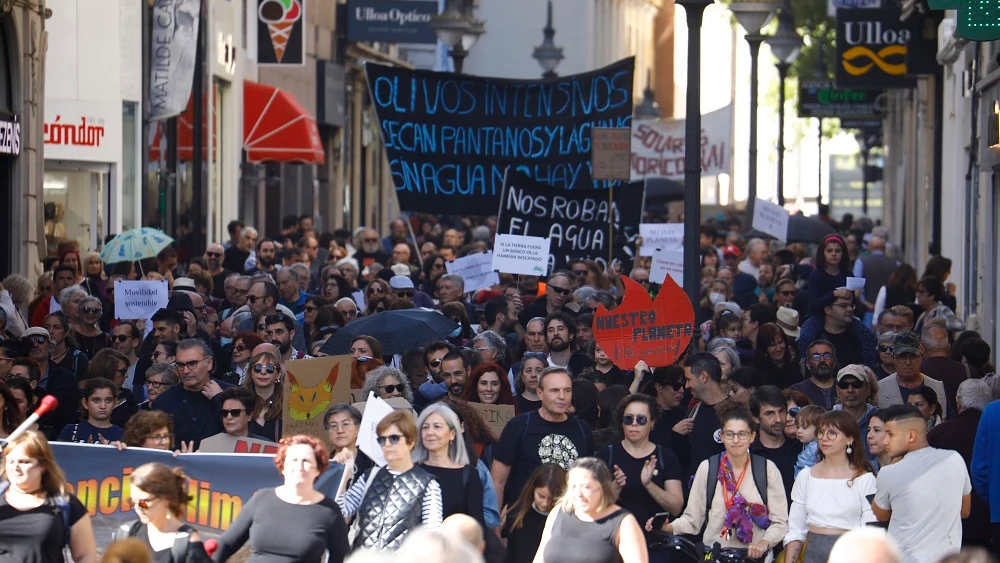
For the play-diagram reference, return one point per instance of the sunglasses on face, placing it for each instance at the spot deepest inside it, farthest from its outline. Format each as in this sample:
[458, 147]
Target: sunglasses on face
[639, 419]
[676, 385]
[824, 356]
[535, 355]
[90, 310]
[262, 327]
[251, 299]
[885, 349]
[405, 293]
[309, 309]
[392, 439]
[261, 368]
[39, 340]
[143, 503]
[561, 290]
[851, 384]
[392, 388]
[376, 289]
[213, 254]
[434, 363]
[120, 337]
[787, 293]
[235, 413]
[794, 411]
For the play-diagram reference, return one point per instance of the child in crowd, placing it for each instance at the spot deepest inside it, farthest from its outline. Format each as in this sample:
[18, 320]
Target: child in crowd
[729, 325]
[526, 518]
[806, 426]
[99, 397]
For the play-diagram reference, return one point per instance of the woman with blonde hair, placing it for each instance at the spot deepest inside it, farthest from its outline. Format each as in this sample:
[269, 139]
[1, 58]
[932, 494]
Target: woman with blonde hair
[159, 496]
[39, 517]
[265, 380]
[94, 276]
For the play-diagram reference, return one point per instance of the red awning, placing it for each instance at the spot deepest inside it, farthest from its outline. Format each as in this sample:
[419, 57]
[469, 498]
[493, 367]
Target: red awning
[185, 134]
[277, 128]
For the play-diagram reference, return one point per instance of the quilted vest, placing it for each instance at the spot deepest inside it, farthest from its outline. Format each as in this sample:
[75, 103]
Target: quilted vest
[392, 507]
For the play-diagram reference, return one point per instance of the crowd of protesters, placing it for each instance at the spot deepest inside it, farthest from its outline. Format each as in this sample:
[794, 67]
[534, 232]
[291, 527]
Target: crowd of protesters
[804, 412]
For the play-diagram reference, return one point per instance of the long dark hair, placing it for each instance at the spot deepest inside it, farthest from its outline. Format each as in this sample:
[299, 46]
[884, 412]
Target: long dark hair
[903, 277]
[939, 267]
[765, 336]
[548, 475]
[845, 261]
[11, 415]
[471, 393]
[844, 422]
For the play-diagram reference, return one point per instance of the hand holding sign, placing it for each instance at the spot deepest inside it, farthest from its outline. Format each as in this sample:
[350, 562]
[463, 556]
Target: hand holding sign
[656, 332]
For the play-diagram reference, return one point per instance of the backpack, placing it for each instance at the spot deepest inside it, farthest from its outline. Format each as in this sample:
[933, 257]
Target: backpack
[61, 503]
[178, 551]
[758, 469]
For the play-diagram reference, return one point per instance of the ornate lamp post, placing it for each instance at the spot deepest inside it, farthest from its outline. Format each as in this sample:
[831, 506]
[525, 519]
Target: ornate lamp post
[785, 45]
[457, 28]
[648, 108]
[547, 54]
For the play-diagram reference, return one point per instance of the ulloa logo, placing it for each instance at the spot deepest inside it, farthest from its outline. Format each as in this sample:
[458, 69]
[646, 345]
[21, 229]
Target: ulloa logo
[867, 36]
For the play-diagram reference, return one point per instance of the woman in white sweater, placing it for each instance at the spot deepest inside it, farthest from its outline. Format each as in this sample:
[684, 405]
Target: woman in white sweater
[828, 499]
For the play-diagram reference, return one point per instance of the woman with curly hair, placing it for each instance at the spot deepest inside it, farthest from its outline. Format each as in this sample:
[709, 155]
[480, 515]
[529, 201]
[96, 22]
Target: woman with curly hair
[387, 382]
[148, 429]
[489, 385]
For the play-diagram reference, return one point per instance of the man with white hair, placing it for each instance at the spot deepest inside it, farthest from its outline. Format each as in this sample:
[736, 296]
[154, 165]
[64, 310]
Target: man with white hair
[865, 545]
[756, 253]
[959, 434]
[369, 249]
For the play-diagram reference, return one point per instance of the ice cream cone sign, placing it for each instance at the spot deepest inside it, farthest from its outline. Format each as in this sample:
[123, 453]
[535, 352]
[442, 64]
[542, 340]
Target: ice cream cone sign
[280, 18]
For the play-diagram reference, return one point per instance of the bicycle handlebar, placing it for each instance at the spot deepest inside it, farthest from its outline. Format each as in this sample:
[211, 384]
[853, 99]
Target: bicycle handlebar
[697, 551]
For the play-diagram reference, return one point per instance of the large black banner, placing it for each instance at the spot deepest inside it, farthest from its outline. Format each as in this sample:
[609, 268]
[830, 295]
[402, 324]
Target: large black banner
[575, 222]
[449, 137]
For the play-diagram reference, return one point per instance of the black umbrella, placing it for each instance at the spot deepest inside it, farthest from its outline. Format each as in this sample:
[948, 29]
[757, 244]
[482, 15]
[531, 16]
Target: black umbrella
[801, 229]
[397, 331]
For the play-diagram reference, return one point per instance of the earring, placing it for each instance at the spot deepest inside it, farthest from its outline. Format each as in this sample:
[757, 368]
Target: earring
[849, 450]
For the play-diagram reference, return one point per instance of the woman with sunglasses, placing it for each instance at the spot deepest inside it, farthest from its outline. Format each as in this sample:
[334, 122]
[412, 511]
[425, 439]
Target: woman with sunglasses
[89, 336]
[265, 381]
[243, 344]
[64, 348]
[526, 383]
[392, 500]
[376, 287]
[434, 268]
[159, 378]
[647, 476]
[293, 521]
[165, 352]
[667, 388]
[159, 496]
[309, 310]
[387, 383]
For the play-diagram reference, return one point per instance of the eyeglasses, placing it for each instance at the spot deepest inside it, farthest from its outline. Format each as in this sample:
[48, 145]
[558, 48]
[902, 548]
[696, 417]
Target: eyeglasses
[535, 355]
[188, 366]
[788, 293]
[730, 435]
[434, 363]
[392, 388]
[309, 309]
[676, 385]
[639, 419]
[640, 280]
[346, 425]
[827, 434]
[794, 411]
[150, 384]
[392, 439]
[824, 356]
[235, 413]
[146, 502]
[39, 340]
[376, 289]
[90, 310]
[438, 266]
[214, 254]
[405, 293]
[843, 384]
[561, 290]
[369, 240]
[262, 327]
[885, 349]
[120, 337]
[261, 368]
[161, 437]
[251, 299]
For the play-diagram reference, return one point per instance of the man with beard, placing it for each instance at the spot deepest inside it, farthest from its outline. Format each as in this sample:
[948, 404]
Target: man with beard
[558, 291]
[213, 259]
[369, 249]
[501, 318]
[560, 331]
[855, 343]
[703, 375]
[821, 364]
[769, 409]
[853, 391]
[280, 332]
[896, 389]
[267, 256]
[237, 255]
[454, 374]
[263, 300]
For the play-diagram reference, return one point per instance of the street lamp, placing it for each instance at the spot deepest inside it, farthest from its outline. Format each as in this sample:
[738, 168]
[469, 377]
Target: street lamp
[648, 108]
[752, 16]
[785, 45]
[458, 29]
[547, 54]
[865, 146]
[694, 10]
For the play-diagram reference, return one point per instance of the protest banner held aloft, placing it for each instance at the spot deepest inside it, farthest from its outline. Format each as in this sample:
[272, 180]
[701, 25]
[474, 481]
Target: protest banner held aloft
[449, 138]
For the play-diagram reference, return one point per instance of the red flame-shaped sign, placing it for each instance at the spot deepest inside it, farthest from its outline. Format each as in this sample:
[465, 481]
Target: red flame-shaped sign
[642, 329]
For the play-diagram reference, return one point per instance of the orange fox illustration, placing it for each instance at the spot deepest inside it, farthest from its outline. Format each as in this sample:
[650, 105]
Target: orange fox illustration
[306, 403]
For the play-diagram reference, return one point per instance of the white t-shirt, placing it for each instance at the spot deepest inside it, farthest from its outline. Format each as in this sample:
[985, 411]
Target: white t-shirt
[924, 491]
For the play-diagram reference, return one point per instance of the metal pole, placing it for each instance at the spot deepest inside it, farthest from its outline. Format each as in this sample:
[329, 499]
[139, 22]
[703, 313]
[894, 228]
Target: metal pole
[754, 39]
[143, 218]
[692, 153]
[458, 54]
[819, 160]
[864, 180]
[198, 145]
[782, 75]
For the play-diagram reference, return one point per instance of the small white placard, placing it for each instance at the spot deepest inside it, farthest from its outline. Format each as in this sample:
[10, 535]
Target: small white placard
[855, 284]
[375, 410]
[667, 263]
[476, 269]
[663, 236]
[770, 218]
[359, 299]
[520, 254]
[139, 299]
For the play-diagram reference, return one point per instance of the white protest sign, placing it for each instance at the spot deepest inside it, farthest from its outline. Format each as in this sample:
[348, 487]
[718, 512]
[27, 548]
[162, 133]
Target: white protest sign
[519, 254]
[359, 299]
[663, 236]
[658, 146]
[375, 410]
[855, 284]
[139, 299]
[665, 263]
[476, 269]
[770, 218]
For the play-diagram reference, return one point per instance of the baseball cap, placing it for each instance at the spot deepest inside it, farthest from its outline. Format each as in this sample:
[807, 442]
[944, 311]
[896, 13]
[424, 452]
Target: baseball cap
[731, 249]
[184, 284]
[854, 370]
[36, 331]
[400, 282]
[906, 342]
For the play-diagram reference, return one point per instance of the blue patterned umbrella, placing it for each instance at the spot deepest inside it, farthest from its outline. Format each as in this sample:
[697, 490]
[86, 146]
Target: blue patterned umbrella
[134, 245]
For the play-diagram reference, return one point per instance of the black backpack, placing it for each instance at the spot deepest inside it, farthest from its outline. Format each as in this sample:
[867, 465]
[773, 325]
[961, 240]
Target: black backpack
[178, 551]
[758, 469]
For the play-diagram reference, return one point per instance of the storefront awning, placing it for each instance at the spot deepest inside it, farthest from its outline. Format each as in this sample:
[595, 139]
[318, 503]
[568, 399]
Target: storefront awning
[185, 134]
[276, 128]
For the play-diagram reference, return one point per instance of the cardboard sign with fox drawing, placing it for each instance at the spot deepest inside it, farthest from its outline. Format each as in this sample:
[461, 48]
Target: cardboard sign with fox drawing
[310, 387]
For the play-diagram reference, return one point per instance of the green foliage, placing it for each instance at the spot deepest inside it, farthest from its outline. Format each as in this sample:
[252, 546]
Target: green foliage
[818, 29]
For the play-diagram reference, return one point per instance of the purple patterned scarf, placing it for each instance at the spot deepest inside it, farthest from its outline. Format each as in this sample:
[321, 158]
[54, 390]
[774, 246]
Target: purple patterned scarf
[741, 515]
